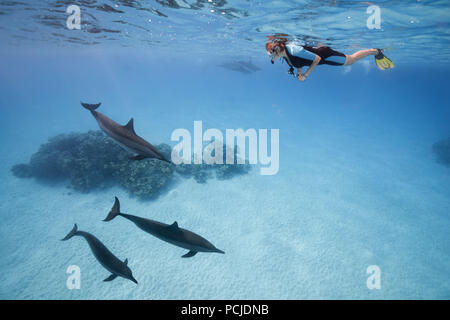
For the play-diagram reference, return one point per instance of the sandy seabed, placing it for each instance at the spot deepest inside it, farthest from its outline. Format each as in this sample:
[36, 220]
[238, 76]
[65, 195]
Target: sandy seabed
[309, 232]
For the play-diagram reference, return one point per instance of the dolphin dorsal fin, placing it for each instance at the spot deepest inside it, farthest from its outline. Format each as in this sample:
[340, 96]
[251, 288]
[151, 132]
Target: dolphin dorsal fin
[174, 226]
[130, 126]
[125, 261]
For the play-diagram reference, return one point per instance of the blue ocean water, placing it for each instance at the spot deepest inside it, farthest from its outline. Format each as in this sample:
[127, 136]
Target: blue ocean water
[358, 183]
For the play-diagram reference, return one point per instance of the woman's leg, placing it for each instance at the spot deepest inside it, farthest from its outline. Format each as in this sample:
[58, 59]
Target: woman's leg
[352, 58]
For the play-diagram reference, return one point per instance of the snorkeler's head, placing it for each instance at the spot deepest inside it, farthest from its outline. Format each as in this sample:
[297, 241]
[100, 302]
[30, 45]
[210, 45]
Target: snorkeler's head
[274, 49]
[271, 51]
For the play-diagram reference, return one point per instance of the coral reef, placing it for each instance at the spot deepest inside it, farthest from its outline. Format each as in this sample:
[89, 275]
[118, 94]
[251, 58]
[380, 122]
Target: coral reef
[442, 151]
[202, 172]
[144, 179]
[94, 161]
[21, 170]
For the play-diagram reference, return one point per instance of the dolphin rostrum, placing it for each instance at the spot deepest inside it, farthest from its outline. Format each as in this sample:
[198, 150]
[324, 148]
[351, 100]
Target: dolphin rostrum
[125, 135]
[170, 233]
[108, 260]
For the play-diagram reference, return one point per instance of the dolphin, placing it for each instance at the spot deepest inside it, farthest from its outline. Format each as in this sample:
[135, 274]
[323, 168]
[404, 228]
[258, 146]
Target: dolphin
[234, 66]
[249, 65]
[125, 135]
[108, 260]
[240, 66]
[170, 233]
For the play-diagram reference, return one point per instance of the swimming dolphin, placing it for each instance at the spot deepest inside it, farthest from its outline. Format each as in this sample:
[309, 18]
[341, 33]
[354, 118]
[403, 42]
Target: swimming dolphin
[170, 233]
[109, 261]
[249, 65]
[240, 66]
[235, 66]
[125, 135]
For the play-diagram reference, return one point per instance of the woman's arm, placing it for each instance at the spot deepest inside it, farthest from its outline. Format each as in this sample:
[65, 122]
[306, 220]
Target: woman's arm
[302, 77]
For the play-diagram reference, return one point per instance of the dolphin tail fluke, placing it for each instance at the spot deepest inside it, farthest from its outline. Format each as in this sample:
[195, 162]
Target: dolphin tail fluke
[91, 107]
[114, 211]
[71, 233]
[220, 251]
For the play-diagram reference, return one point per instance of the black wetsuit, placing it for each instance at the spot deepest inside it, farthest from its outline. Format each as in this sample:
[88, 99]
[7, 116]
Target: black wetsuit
[327, 55]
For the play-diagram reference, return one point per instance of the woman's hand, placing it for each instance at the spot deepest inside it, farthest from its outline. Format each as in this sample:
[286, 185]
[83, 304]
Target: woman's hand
[301, 77]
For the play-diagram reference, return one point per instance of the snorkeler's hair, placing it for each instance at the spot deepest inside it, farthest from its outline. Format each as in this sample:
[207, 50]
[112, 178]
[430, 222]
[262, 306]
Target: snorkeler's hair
[269, 46]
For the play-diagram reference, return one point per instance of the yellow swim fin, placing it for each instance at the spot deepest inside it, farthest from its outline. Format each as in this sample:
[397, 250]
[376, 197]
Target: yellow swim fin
[382, 61]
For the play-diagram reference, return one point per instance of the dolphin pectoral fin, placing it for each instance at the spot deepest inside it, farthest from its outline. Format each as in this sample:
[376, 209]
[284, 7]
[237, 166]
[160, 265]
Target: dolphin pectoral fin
[165, 160]
[111, 277]
[138, 157]
[189, 254]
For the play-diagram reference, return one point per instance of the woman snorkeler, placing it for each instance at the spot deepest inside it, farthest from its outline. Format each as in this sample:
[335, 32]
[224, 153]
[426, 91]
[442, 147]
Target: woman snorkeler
[298, 56]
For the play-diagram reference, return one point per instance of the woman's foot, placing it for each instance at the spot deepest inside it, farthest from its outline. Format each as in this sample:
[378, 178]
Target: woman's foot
[382, 61]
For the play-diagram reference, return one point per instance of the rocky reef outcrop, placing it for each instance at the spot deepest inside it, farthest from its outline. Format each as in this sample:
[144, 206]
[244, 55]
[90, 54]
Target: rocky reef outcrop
[94, 161]
[202, 172]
